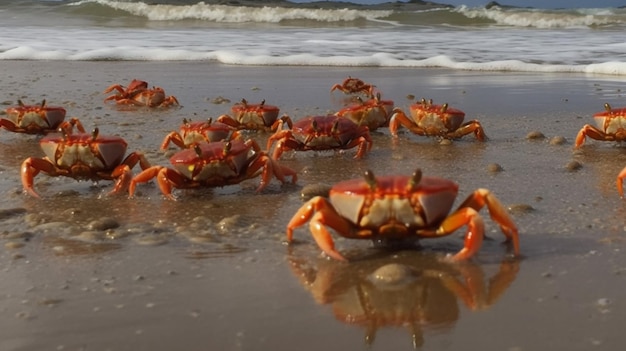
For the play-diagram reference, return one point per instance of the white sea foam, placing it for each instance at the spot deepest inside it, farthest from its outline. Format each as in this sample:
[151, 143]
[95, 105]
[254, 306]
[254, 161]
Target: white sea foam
[236, 14]
[543, 18]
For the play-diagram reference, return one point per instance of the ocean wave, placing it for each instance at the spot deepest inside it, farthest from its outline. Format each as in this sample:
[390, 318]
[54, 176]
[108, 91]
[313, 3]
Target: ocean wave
[535, 18]
[247, 58]
[235, 14]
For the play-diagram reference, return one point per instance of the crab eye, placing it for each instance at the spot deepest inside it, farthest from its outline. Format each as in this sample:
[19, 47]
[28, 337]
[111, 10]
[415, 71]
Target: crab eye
[314, 125]
[20, 102]
[209, 121]
[43, 103]
[263, 102]
[95, 133]
[370, 179]
[444, 107]
[185, 121]
[198, 150]
[244, 102]
[227, 146]
[607, 106]
[415, 179]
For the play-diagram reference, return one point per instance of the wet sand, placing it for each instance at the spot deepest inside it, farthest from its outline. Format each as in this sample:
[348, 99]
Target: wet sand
[83, 271]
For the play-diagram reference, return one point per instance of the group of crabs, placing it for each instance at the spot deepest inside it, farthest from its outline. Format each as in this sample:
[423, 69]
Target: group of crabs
[215, 153]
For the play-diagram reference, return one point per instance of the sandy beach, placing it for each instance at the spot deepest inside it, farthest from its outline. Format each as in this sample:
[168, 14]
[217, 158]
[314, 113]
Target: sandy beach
[211, 271]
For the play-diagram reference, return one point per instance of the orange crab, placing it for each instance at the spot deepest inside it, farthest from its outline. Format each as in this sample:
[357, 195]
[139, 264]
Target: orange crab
[435, 120]
[37, 119]
[354, 86]
[611, 126]
[420, 293]
[83, 156]
[253, 116]
[215, 164]
[138, 94]
[373, 113]
[398, 207]
[321, 133]
[196, 132]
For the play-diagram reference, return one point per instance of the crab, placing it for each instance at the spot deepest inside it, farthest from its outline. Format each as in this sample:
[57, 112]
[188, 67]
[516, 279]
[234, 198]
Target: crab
[620, 182]
[321, 133]
[373, 113]
[83, 156]
[421, 293]
[200, 131]
[215, 164]
[400, 207]
[435, 120]
[137, 93]
[611, 126]
[253, 116]
[37, 119]
[354, 86]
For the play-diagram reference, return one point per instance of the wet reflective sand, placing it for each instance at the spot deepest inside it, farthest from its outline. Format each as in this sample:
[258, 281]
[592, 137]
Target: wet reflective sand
[211, 271]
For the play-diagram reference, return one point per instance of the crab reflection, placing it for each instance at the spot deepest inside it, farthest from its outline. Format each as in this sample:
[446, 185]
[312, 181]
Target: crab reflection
[416, 291]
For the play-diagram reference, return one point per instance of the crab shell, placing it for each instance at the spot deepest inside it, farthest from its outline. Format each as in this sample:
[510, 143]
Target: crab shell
[218, 160]
[35, 119]
[612, 120]
[324, 132]
[136, 85]
[436, 117]
[195, 132]
[102, 153]
[255, 114]
[394, 203]
[373, 113]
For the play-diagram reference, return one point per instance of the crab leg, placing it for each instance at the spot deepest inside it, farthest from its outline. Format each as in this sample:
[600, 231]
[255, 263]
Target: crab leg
[595, 133]
[474, 235]
[467, 128]
[175, 138]
[498, 213]
[620, 180]
[29, 170]
[399, 118]
[321, 214]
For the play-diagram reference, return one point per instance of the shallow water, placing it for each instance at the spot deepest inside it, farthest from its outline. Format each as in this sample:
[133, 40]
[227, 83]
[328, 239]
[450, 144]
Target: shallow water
[211, 270]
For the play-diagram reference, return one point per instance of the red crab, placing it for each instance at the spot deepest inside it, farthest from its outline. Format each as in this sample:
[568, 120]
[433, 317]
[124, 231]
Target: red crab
[321, 133]
[196, 132]
[37, 119]
[420, 293]
[83, 156]
[435, 120]
[398, 207]
[354, 86]
[611, 126]
[138, 94]
[373, 113]
[215, 164]
[253, 116]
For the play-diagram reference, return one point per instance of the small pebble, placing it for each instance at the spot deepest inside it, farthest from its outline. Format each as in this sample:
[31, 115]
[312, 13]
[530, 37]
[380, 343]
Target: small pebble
[535, 135]
[311, 190]
[520, 208]
[573, 166]
[494, 168]
[445, 142]
[558, 140]
[103, 224]
[391, 274]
